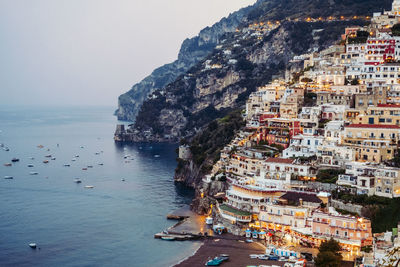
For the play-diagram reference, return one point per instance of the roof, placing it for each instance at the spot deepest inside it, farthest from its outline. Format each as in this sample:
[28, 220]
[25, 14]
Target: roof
[235, 211]
[306, 197]
[379, 126]
[388, 106]
[280, 160]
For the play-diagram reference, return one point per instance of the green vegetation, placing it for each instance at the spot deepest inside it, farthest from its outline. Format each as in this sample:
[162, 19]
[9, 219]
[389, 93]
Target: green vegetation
[361, 38]
[329, 254]
[206, 145]
[383, 212]
[329, 175]
[310, 99]
[322, 123]
[396, 30]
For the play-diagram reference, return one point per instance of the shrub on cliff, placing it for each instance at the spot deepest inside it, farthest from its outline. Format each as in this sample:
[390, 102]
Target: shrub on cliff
[205, 146]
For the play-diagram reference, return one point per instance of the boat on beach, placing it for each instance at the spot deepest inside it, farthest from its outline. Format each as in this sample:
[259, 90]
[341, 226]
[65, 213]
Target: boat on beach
[217, 260]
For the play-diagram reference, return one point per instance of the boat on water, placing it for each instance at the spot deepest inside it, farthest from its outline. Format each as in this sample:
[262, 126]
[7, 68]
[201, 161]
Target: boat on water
[45, 161]
[89, 186]
[7, 164]
[84, 169]
[77, 180]
[73, 159]
[32, 245]
[90, 166]
[209, 220]
[123, 180]
[67, 165]
[40, 146]
[6, 149]
[32, 158]
[15, 160]
[33, 173]
[8, 177]
[48, 156]
[101, 164]
[168, 238]
[53, 158]
[156, 156]
[30, 165]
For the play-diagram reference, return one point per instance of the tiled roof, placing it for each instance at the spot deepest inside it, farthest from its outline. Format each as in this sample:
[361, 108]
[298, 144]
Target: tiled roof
[280, 160]
[379, 126]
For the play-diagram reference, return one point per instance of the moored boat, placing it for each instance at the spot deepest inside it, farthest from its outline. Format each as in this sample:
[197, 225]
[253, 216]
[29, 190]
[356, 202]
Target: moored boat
[15, 160]
[33, 245]
[33, 173]
[7, 164]
[77, 180]
[67, 165]
[30, 165]
[8, 177]
[89, 186]
[168, 238]
[45, 161]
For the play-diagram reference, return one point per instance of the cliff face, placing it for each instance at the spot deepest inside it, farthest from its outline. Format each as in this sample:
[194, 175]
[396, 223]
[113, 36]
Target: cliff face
[191, 52]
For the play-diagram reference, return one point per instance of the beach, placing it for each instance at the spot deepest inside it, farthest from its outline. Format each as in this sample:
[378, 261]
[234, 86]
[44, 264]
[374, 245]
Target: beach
[234, 246]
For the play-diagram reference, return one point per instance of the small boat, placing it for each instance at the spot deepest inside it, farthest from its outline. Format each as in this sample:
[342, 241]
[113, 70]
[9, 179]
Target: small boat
[30, 165]
[76, 156]
[67, 165]
[15, 160]
[123, 180]
[77, 180]
[249, 241]
[6, 149]
[89, 186]
[156, 156]
[7, 164]
[32, 158]
[33, 173]
[84, 169]
[90, 166]
[33, 245]
[101, 164]
[97, 153]
[73, 159]
[8, 177]
[53, 158]
[82, 147]
[45, 161]
[48, 156]
[168, 238]
[217, 260]
[40, 146]
[209, 220]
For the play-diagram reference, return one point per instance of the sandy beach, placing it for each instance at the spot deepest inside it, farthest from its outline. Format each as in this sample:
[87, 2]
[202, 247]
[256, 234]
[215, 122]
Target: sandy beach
[228, 244]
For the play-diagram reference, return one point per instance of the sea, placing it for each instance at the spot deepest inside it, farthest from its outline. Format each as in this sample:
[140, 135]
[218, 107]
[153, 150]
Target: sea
[111, 224]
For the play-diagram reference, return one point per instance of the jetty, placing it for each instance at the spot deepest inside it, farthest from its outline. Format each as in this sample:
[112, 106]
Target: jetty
[190, 226]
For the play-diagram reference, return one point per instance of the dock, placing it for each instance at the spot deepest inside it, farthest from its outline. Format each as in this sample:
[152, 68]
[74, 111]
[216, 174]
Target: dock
[190, 226]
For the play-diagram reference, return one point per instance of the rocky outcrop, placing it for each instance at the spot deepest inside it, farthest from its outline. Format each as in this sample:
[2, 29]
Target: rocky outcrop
[191, 52]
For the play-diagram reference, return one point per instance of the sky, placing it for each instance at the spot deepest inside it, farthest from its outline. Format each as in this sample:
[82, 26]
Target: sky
[88, 52]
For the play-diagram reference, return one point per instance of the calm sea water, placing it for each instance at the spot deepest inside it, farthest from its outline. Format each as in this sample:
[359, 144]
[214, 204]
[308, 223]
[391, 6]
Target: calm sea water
[110, 225]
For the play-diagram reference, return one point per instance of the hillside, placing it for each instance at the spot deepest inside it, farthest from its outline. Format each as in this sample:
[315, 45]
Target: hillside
[196, 49]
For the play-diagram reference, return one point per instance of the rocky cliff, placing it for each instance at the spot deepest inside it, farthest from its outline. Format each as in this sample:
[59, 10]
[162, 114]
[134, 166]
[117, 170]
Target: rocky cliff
[191, 52]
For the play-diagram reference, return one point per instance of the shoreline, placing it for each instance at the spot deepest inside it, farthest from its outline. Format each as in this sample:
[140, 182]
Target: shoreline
[187, 257]
[235, 246]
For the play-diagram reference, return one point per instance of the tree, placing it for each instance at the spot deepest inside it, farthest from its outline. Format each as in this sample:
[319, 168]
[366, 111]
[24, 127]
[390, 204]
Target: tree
[329, 254]
[396, 30]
